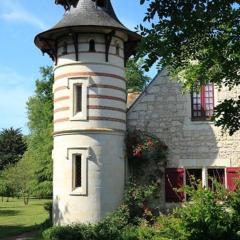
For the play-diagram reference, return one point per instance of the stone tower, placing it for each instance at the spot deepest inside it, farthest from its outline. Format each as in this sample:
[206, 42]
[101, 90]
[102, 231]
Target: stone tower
[89, 47]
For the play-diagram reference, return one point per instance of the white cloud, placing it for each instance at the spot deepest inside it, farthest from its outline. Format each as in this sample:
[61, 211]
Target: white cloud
[12, 11]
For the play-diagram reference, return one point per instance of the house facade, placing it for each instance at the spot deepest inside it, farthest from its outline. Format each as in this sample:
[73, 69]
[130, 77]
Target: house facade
[183, 121]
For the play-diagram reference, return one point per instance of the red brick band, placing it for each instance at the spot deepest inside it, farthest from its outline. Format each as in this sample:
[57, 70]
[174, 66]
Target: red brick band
[60, 88]
[61, 99]
[61, 120]
[106, 108]
[91, 74]
[95, 86]
[108, 86]
[107, 119]
[107, 97]
[93, 107]
[63, 109]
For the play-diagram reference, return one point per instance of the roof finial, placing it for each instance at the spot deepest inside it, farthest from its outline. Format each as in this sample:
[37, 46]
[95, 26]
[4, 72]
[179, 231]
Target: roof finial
[67, 3]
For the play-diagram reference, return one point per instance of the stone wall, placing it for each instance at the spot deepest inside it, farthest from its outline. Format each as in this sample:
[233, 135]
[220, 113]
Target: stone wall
[164, 111]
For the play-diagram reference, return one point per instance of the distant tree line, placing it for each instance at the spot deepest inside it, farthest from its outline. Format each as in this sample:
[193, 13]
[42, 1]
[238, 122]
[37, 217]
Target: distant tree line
[25, 162]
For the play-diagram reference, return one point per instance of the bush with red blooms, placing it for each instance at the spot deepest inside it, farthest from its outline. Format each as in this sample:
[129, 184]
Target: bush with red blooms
[142, 146]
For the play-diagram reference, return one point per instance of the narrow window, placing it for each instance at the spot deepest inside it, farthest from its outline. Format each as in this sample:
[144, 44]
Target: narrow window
[65, 48]
[215, 176]
[78, 171]
[92, 46]
[78, 99]
[203, 103]
[101, 3]
[118, 49]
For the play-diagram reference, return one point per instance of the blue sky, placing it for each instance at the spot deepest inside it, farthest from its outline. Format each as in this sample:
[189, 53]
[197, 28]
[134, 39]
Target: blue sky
[20, 21]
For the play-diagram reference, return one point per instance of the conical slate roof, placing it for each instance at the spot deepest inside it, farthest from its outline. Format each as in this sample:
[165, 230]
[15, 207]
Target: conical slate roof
[83, 16]
[86, 13]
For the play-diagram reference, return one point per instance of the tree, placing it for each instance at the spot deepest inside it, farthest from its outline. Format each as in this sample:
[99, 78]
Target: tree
[19, 180]
[12, 147]
[40, 140]
[197, 41]
[136, 79]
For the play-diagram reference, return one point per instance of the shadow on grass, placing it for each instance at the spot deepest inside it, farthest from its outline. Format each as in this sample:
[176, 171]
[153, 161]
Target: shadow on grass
[8, 212]
[8, 231]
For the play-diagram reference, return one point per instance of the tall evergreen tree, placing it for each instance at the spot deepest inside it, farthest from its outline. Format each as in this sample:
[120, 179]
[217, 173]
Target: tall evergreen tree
[40, 141]
[12, 147]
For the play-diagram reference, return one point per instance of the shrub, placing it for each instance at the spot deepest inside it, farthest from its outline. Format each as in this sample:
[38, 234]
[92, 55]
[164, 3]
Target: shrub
[138, 198]
[138, 233]
[109, 228]
[209, 214]
[170, 227]
[76, 232]
[112, 226]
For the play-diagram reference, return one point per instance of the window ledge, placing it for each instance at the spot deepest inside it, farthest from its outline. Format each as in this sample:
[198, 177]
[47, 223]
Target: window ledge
[79, 192]
[201, 120]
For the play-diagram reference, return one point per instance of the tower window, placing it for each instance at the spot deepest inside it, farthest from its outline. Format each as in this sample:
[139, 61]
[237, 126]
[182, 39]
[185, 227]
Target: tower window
[118, 49]
[203, 103]
[78, 171]
[101, 3]
[65, 48]
[92, 46]
[77, 98]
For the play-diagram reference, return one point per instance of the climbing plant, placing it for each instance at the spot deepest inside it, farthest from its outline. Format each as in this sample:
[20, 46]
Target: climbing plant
[147, 156]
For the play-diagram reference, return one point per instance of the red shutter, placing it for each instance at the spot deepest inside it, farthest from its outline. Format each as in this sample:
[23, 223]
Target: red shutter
[174, 179]
[233, 174]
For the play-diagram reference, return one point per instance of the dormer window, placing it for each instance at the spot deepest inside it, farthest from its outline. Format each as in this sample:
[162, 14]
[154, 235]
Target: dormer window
[101, 3]
[65, 48]
[203, 103]
[92, 46]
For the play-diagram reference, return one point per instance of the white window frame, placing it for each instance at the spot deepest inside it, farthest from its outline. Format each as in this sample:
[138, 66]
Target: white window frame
[205, 173]
[218, 167]
[72, 153]
[72, 84]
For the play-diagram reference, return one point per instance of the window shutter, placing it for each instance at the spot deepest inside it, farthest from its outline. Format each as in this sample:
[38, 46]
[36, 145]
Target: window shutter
[233, 174]
[174, 179]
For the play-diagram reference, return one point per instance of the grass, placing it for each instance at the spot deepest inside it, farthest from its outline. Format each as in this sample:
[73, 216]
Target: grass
[16, 218]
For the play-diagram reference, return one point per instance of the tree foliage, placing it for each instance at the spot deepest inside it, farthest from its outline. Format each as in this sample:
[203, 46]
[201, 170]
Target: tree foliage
[136, 78]
[19, 180]
[40, 141]
[198, 41]
[12, 147]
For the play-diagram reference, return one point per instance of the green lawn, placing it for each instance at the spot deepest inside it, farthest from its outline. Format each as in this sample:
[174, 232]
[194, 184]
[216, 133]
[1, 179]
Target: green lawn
[16, 218]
